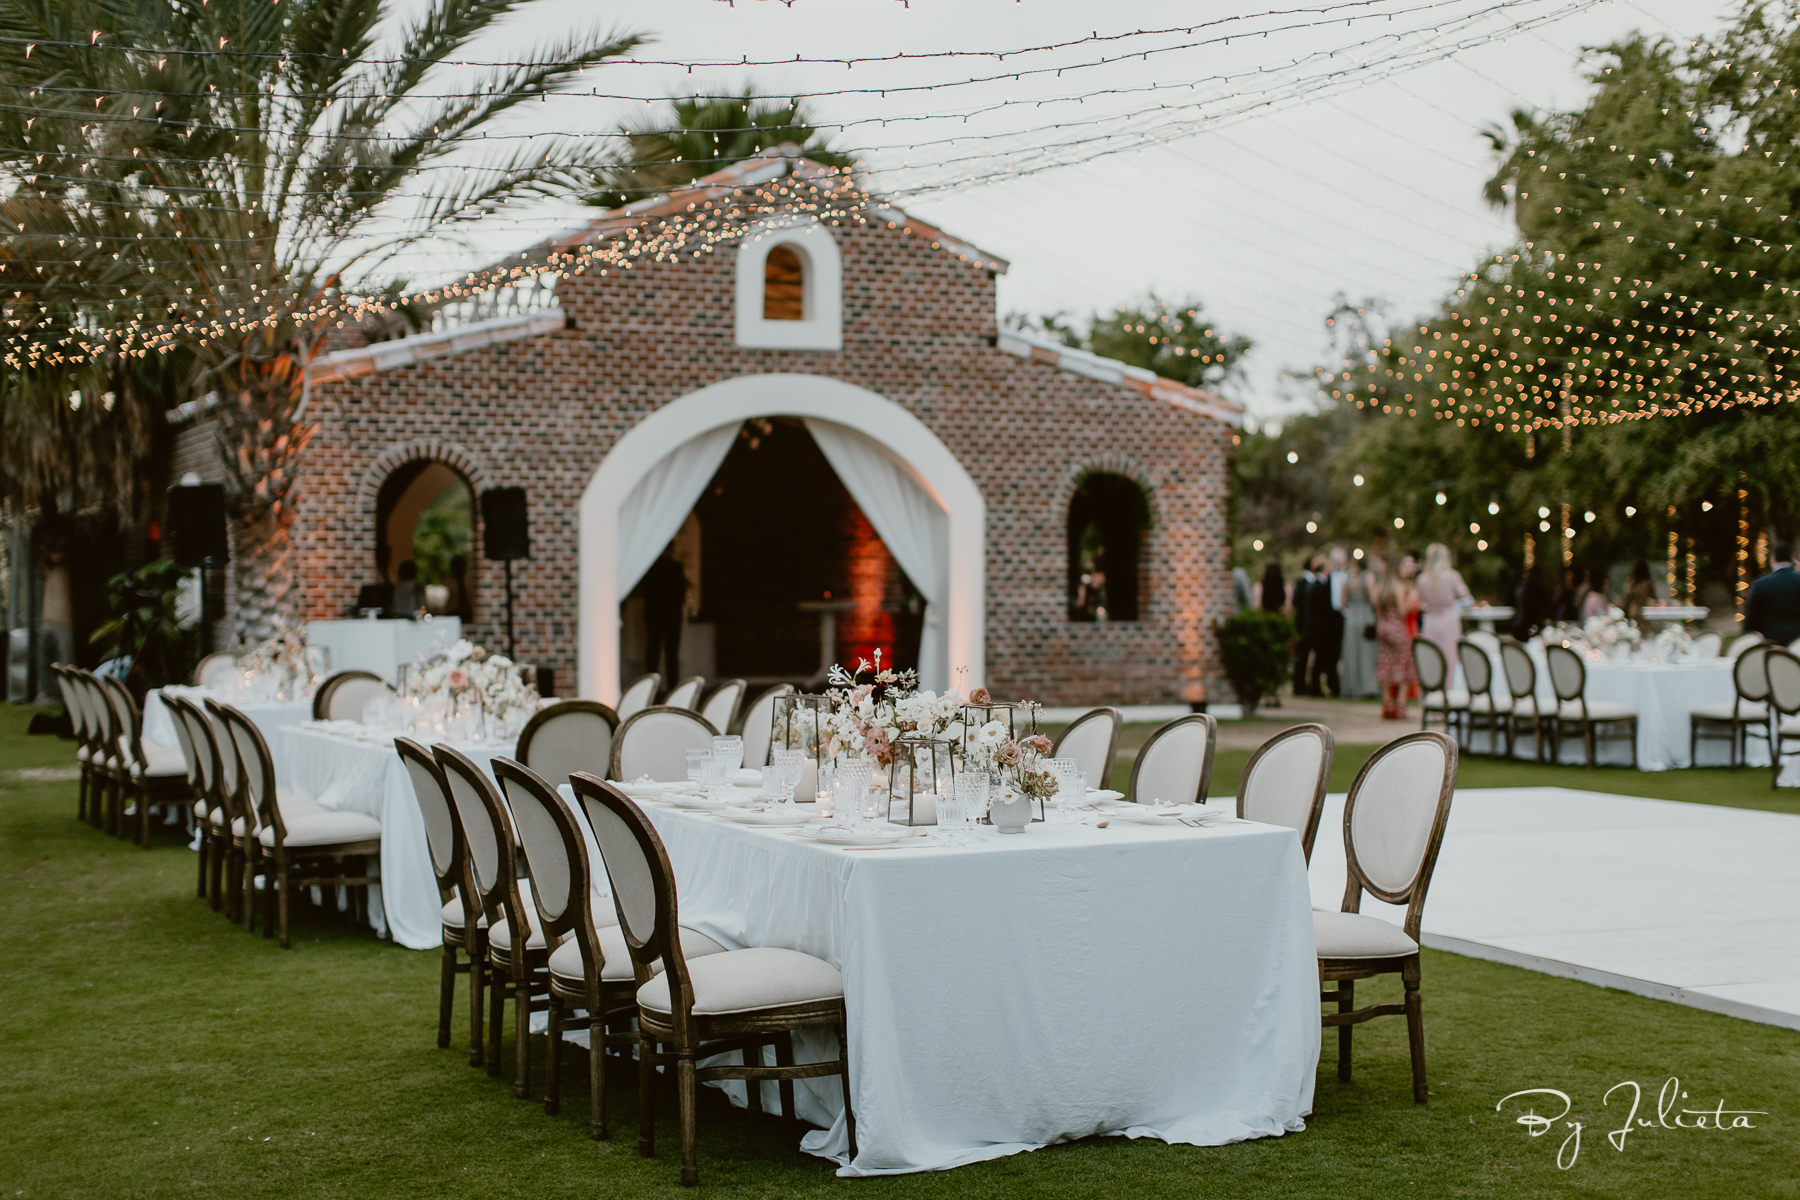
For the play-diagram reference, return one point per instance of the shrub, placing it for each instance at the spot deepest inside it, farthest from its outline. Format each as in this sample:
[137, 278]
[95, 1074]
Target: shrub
[1255, 646]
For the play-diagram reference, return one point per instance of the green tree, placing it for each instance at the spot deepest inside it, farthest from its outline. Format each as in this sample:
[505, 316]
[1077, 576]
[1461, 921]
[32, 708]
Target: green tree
[1177, 341]
[208, 175]
[697, 135]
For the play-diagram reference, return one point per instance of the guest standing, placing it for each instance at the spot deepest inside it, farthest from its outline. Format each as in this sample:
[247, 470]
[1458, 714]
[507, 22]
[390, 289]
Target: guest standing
[1395, 604]
[1303, 587]
[1597, 601]
[1359, 646]
[1274, 588]
[1326, 620]
[1639, 594]
[1440, 590]
[1566, 604]
[664, 589]
[1774, 609]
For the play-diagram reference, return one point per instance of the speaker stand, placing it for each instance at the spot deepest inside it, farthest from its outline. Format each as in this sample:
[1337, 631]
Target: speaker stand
[509, 613]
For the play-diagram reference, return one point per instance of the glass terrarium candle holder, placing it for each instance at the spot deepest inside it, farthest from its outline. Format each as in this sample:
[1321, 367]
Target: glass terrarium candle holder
[922, 771]
[798, 723]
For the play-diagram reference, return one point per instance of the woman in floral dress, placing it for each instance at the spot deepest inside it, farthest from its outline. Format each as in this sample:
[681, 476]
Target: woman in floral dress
[1396, 603]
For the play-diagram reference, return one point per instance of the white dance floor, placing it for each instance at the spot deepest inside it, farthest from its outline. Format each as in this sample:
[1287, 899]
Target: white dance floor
[1693, 903]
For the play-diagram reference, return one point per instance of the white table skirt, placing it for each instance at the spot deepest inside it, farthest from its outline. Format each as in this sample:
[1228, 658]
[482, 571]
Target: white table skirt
[159, 723]
[364, 774]
[1063, 983]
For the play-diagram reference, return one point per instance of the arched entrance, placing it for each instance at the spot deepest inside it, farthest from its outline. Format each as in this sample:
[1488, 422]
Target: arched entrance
[898, 460]
[424, 528]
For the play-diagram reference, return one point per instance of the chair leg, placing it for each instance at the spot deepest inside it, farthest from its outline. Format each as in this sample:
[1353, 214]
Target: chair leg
[522, 1033]
[1415, 1028]
[143, 803]
[496, 1018]
[753, 1087]
[282, 888]
[646, 1096]
[553, 1059]
[205, 847]
[684, 1092]
[1346, 1002]
[446, 994]
[1587, 742]
[249, 902]
[477, 989]
[597, 1075]
[784, 1057]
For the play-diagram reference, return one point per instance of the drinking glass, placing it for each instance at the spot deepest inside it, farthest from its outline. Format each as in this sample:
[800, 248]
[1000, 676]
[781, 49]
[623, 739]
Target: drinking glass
[850, 784]
[729, 751]
[876, 806]
[790, 765]
[1074, 785]
[696, 763]
[971, 800]
[823, 795]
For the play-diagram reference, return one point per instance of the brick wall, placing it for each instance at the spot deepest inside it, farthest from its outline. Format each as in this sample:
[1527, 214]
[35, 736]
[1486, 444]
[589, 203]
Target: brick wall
[918, 329]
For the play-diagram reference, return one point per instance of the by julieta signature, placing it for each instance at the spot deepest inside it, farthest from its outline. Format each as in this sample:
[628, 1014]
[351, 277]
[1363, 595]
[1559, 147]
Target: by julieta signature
[1669, 1115]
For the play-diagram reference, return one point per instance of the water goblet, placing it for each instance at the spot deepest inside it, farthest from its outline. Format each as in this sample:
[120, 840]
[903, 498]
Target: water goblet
[730, 751]
[850, 783]
[971, 801]
[823, 795]
[789, 765]
[696, 763]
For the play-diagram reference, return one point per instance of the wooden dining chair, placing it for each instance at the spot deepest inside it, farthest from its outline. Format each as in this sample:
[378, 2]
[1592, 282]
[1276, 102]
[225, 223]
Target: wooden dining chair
[757, 725]
[194, 754]
[1744, 716]
[103, 744]
[342, 697]
[1175, 764]
[721, 708]
[1436, 699]
[518, 950]
[444, 841]
[1484, 708]
[592, 981]
[232, 819]
[150, 774]
[1521, 681]
[639, 695]
[1783, 670]
[1705, 647]
[654, 742]
[1092, 740]
[1284, 782]
[298, 843]
[1394, 821]
[215, 670]
[742, 1000]
[568, 736]
[685, 694]
[211, 840]
[1742, 642]
[1568, 678]
[75, 704]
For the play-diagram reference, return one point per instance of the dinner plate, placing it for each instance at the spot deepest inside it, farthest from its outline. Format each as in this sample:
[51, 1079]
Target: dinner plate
[1100, 795]
[1143, 814]
[642, 789]
[693, 803]
[773, 816]
[840, 835]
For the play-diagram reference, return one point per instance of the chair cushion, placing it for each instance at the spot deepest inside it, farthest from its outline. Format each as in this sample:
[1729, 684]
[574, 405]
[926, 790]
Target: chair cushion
[323, 827]
[453, 914]
[1789, 727]
[1747, 710]
[1458, 700]
[745, 980]
[1597, 710]
[1486, 703]
[159, 761]
[565, 960]
[200, 810]
[500, 936]
[83, 754]
[1352, 935]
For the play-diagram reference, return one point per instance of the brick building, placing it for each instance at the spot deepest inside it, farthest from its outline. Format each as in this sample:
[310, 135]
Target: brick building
[882, 331]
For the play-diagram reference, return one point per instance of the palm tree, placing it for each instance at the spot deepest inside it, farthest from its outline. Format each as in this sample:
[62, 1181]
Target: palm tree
[703, 134]
[192, 183]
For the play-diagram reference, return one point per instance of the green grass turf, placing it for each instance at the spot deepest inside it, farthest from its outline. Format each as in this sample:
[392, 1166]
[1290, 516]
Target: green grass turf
[147, 1048]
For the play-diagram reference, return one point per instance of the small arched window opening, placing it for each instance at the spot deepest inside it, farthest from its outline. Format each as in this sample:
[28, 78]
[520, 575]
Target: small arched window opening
[1109, 517]
[784, 285]
[424, 534]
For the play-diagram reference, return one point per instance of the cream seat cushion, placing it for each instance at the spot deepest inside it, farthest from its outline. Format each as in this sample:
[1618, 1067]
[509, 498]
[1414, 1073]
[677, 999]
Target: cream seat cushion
[1790, 726]
[1352, 935]
[746, 980]
[323, 827]
[159, 761]
[1457, 700]
[200, 810]
[453, 914]
[565, 960]
[500, 936]
[293, 806]
[1597, 710]
[1486, 703]
[1747, 710]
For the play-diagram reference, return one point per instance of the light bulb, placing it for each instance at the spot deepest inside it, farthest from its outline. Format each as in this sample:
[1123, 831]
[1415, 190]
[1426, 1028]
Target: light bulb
[1474, 528]
[1257, 544]
[1588, 516]
[1630, 511]
[1706, 506]
[1481, 545]
[1399, 522]
[1493, 509]
[1293, 457]
[1357, 553]
[1543, 527]
[1442, 499]
[1357, 480]
[1543, 512]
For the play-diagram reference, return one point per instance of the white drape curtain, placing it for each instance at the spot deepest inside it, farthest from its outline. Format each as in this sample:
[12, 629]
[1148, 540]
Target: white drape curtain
[907, 519]
[654, 511]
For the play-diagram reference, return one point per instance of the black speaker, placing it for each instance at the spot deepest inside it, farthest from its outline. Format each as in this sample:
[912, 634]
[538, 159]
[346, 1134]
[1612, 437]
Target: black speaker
[197, 515]
[505, 533]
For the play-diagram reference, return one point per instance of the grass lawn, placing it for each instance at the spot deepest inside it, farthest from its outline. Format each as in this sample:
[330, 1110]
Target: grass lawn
[148, 1048]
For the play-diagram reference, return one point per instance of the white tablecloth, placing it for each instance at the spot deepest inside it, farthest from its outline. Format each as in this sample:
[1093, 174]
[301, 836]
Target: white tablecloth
[159, 723]
[1066, 982]
[363, 773]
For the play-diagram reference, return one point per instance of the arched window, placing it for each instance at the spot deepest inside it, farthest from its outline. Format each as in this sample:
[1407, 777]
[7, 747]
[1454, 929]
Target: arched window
[784, 285]
[1108, 518]
[424, 526]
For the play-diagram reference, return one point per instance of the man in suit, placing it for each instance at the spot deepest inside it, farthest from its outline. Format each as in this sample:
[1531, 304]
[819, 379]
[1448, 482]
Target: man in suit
[1774, 608]
[1303, 587]
[1326, 600]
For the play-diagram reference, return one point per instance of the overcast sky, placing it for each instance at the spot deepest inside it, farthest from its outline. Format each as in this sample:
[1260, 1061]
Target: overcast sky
[1315, 153]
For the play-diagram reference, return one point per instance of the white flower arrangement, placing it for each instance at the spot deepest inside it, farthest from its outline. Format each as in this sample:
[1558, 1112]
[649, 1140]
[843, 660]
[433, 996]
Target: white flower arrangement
[468, 674]
[281, 663]
[865, 718]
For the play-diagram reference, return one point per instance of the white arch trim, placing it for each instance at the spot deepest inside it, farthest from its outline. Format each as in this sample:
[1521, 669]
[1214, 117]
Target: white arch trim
[778, 395]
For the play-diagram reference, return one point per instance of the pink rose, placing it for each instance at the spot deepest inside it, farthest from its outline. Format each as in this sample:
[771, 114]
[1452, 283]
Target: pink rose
[1038, 744]
[458, 678]
[1008, 754]
[980, 696]
[877, 742]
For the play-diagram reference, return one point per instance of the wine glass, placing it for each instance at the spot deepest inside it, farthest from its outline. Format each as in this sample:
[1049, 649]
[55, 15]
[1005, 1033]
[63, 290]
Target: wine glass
[729, 751]
[790, 765]
[851, 782]
[971, 801]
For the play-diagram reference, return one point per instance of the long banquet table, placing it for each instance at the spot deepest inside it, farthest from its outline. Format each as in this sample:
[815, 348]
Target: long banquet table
[1063, 983]
[268, 716]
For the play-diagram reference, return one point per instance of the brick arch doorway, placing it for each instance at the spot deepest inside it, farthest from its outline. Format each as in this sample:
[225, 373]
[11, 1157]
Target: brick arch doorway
[728, 404]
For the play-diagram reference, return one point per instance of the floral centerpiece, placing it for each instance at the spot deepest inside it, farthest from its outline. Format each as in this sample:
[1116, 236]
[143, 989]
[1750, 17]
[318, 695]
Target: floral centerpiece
[280, 664]
[1599, 635]
[469, 677]
[1021, 762]
[866, 717]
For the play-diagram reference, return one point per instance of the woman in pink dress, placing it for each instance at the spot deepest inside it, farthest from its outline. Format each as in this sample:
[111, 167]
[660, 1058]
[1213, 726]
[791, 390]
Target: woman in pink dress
[1395, 603]
[1440, 587]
